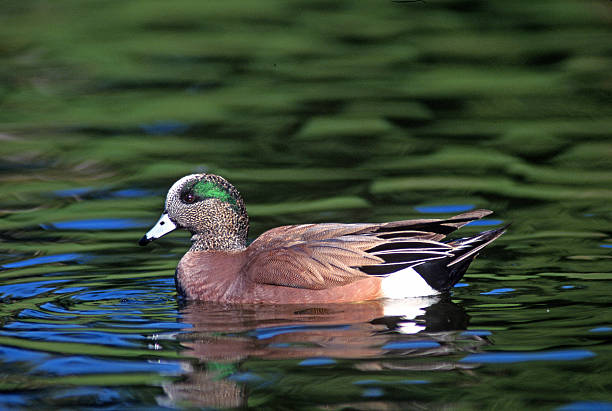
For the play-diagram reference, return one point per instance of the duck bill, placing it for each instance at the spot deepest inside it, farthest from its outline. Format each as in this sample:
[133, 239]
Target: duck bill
[163, 226]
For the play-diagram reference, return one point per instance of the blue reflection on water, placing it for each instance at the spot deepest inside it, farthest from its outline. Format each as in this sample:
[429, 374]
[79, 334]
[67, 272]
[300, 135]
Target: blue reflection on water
[76, 336]
[499, 291]
[264, 333]
[368, 382]
[96, 224]
[448, 208]
[403, 345]
[101, 395]
[11, 401]
[72, 191]
[87, 365]
[279, 345]
[104, 192]
[57, 258]
[9, 354]
[373, 392]
[30, 289]
[485, 222]
[41, 315]
[54, 308]
[310, 362]
[132, 193]
[509, 357]
[600, 329]
[69, 290]
[165, 127]
[587, 406]
[155, 325]
[245, 377]
[479, 333]
[22, 325]
[128, 296]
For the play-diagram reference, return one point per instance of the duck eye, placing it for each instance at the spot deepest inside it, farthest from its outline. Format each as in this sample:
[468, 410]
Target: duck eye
[189, 198]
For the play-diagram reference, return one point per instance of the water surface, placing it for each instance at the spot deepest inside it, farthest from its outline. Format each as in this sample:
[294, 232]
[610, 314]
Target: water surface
[317, 111]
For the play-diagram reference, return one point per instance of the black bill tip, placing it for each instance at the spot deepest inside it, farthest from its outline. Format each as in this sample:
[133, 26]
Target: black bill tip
[144, 240]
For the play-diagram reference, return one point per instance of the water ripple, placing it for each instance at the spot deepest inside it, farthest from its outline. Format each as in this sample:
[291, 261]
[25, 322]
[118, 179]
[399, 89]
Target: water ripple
[26, 290]
[79, 365]
[96, 224]
[57, 258]
[510, 357]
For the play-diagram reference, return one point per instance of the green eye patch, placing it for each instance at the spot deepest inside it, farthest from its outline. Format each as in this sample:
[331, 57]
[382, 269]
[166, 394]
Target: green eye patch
[208, 189]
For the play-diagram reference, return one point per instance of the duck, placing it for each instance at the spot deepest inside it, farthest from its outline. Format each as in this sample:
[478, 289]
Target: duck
[308, 263]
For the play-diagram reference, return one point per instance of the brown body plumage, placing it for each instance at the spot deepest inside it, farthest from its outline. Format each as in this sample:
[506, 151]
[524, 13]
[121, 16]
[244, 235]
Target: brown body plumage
[317, 263]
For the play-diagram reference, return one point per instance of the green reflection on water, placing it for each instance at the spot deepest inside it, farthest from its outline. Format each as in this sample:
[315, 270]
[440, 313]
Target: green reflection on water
[317, 111]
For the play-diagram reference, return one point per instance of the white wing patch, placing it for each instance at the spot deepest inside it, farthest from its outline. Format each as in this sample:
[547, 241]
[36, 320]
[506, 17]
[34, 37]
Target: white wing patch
[405, 283]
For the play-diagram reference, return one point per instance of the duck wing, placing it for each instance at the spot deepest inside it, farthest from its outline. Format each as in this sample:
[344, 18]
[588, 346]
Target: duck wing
[320, 256]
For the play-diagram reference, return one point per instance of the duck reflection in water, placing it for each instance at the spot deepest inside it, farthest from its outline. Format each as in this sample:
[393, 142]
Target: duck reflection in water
[413, 334]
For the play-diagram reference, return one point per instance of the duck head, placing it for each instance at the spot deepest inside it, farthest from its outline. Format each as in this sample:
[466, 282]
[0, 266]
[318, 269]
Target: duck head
[207, 206]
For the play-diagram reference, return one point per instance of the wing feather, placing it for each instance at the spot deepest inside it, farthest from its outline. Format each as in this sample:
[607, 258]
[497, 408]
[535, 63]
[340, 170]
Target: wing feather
[320, 256]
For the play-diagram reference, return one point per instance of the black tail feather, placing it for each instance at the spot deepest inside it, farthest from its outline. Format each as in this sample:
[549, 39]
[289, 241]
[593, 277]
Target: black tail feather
[443, 274]
[442, 265]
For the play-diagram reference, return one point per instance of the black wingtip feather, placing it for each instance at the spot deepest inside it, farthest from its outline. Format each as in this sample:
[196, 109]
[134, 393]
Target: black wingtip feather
[439, 271]
[444, 278]
[440, 276]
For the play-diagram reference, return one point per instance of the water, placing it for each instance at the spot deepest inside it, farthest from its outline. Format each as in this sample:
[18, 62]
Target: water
[317, 111]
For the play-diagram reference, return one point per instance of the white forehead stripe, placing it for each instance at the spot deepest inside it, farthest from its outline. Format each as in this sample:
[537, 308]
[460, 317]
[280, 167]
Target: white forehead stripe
[177, 186]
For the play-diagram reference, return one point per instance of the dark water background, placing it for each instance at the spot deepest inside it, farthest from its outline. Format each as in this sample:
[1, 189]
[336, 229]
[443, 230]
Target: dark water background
[317, 111]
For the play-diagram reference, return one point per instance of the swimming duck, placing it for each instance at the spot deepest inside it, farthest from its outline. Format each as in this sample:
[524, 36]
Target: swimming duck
[308, 263]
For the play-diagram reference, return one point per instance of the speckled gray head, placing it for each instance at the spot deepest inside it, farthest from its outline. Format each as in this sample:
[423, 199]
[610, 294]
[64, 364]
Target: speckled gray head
[210, 208]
